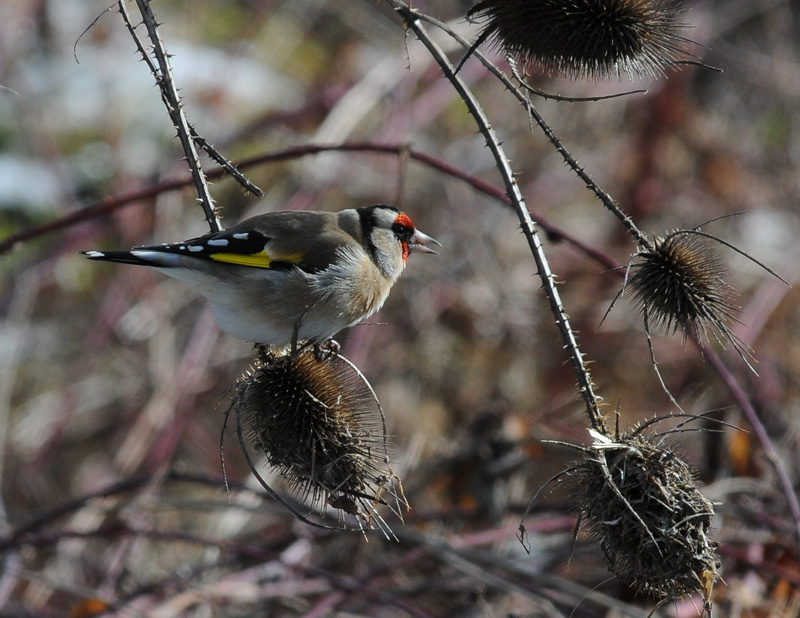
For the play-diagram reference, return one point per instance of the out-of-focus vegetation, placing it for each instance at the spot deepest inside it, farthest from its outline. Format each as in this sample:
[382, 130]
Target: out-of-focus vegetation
[114, 380]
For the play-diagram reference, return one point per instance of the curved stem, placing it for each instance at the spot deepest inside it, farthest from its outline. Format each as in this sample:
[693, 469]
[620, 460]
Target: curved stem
[169, 94]
[110, 205]
[529, 228]
[758, 428]
[604, 198]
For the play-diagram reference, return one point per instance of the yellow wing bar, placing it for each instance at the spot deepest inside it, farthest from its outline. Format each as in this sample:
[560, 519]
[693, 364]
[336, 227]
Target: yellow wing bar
[258, 260]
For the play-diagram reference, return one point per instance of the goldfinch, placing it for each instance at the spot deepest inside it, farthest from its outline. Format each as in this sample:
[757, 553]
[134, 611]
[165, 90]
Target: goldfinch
[291, 276]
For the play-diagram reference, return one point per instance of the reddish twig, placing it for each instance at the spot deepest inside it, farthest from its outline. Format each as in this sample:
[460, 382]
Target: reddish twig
[111, 205]
[760, 431]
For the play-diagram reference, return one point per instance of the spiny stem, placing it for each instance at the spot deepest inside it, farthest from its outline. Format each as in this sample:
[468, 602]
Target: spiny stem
[529, 229]
[604, 198]
[169, 94]
[226, 164]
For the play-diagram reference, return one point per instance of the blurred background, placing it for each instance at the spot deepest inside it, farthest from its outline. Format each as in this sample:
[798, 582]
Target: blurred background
[114, 380]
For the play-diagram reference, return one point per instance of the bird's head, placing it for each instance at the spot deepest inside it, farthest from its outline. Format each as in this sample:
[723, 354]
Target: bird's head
[391, 236]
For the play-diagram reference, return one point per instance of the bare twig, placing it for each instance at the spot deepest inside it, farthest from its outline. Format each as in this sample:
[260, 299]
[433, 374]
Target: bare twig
[758, 428]
[529, 228]
[108, 206]
[510, 574]
[521, 96]
[240, 550]
[169, 94]
[225, 164]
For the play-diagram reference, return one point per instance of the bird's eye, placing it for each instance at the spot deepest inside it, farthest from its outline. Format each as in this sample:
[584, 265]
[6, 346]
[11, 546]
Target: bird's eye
[402, 231]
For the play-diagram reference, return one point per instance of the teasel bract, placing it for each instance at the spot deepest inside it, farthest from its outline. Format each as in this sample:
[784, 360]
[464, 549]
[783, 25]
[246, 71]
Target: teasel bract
[594, 39]
[641, 505]
[320, 426]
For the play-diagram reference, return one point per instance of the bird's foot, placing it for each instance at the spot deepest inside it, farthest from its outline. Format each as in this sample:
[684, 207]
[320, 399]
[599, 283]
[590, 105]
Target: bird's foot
[264, 352]
[323, 351]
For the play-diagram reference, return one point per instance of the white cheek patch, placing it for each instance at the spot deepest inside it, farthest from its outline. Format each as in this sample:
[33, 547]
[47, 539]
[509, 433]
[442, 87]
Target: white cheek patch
[218, 242]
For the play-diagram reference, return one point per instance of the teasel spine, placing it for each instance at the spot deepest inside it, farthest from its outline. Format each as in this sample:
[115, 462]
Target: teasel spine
[588, 39]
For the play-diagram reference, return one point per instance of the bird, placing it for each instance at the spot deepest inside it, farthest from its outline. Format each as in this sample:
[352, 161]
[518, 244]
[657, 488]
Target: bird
[291, 276]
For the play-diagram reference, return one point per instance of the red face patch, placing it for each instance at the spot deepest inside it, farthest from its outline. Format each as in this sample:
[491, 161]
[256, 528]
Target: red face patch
[403, 219]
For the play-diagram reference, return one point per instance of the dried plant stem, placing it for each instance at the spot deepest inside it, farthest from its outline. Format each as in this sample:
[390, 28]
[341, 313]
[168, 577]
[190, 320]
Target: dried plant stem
[758, 427]
[169, 94]
[605, 199]
[529, 228]
[101, 209]
[226, 164]
[504, 572]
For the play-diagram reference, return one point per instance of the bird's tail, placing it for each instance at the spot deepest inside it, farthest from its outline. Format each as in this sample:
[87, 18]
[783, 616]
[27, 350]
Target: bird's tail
[140, 258]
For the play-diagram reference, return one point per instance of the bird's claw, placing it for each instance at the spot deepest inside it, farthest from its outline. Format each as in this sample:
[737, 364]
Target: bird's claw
[323, 351]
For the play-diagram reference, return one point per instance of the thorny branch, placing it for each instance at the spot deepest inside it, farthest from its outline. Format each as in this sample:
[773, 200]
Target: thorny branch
[529, 228]
[226, 164]
[169, 94]
[722, 370]
[591, 185]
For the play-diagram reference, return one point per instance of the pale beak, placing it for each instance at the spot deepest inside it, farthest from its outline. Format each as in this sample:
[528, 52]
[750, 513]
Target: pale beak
[419, 243]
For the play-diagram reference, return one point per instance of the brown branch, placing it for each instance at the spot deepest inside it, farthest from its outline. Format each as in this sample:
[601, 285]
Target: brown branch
[111, 205]
[762, 436]
[528, 226]
[169, 94]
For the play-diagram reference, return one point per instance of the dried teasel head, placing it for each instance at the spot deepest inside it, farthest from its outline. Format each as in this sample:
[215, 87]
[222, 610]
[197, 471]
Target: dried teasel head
[319, 424]
[680, 281]
[594, 39]
[640, 503]
[642, 506]
[678, 284]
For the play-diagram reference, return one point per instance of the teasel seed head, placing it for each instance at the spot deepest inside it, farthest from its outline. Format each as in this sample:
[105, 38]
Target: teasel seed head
[588, 39]
[680, 281]
[320, 425]
[641, 505]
